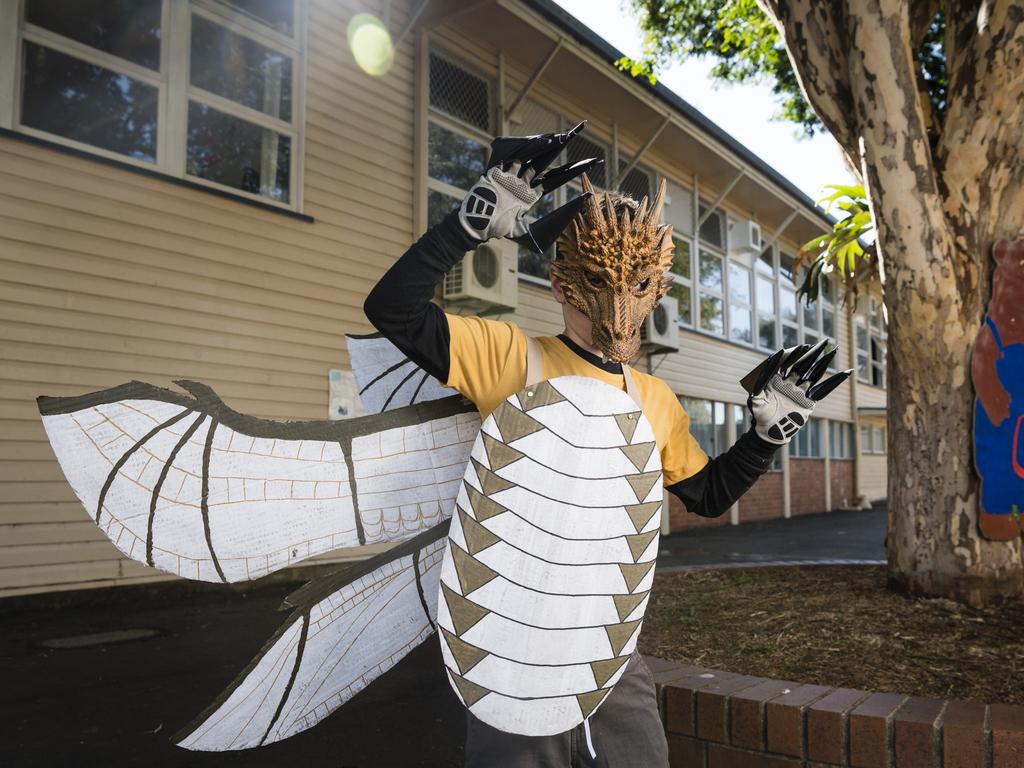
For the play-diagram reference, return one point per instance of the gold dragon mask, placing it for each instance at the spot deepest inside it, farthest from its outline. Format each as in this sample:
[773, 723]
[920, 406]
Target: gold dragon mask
[612, 262]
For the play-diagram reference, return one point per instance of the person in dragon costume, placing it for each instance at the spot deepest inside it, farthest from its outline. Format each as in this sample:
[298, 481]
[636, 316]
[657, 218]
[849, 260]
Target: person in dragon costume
[522, 523]
[613, 255]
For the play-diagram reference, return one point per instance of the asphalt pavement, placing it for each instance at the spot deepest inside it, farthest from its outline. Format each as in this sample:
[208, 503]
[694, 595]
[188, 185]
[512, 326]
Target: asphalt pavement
[118, 702]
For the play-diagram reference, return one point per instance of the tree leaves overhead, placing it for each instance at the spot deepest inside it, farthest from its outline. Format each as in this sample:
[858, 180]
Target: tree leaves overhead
[747, 49]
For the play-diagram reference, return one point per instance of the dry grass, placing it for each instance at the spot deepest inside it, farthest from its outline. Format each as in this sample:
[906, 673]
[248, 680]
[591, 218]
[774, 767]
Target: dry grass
[836, 626]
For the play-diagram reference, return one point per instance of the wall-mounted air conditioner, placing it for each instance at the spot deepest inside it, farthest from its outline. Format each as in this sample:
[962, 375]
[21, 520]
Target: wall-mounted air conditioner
[486, 280]
[745, 236]
[660, 331]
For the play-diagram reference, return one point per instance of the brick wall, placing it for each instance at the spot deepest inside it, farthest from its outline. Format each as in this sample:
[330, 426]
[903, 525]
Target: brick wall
[806, 486]
[764, 499]
[842, 471]
[716, 719]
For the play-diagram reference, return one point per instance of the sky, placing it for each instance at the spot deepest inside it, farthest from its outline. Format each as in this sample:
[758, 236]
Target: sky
[744, 111]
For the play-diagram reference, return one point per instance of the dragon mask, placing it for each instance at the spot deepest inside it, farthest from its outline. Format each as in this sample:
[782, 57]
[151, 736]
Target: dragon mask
[613, 261]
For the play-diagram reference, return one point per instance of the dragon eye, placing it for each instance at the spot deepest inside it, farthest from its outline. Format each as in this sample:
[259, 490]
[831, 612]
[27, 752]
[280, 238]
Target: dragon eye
[595, 280]
[643, 285]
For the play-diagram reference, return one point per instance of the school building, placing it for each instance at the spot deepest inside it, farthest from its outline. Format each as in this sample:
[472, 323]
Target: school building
[208, 190]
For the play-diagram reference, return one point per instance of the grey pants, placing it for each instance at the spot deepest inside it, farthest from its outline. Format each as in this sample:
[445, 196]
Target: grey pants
[626, 732]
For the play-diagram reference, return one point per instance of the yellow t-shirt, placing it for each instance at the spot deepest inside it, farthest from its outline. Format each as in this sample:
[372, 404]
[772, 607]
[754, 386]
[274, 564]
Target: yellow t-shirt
[488, 363]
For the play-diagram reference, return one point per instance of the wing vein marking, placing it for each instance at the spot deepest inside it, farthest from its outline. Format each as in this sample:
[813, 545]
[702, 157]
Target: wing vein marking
[160, 482]
[291, 680]
[385, 372]
[419, 588]
[426, 376]
[128, 454]
[346, 451]
[395, 390]
[204, 500]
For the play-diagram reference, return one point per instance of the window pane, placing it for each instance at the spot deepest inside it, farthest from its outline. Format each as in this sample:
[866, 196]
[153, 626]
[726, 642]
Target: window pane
[789, 336]
[766, 331]
[453, 158]
[683, 295]
[810, 338]
[71, 98]
[581, 148]
[439, 205]
[787, 300]
[681, 258]
[740, 324]
[711, 270]
[238, 68]
[276, 14]
[636, 184]
[711, 315]
[813, 428]
[126, 28]
[828, 322]
[862, 337]
[862, 367]
[765, 295]
[739, 283]
[236, 153]
[766, 263]
[701, 422]
[460, 93]
[536, 264]
[811, 316]
[786, 263]
[827, 290]
[711, 229]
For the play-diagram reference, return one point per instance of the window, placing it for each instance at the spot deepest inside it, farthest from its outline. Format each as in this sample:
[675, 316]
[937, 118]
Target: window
[707, 423]
[712, 231]
[872, 439]
[711, 291]
[841, 440]
[211, 94]
[806, 444]
[682, 287]
[765, 271]
[788, 307]
[870, 338]
[636, 183]
[741, 303]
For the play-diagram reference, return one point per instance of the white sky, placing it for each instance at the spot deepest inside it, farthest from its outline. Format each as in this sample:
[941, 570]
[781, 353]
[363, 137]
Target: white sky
[744, 111]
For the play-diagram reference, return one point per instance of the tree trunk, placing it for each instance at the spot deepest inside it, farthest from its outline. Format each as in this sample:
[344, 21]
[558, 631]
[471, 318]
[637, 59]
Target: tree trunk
[937, 215]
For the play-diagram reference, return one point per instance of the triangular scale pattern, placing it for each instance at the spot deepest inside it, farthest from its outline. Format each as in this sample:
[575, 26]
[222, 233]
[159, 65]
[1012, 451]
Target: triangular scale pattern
[643, 483]
[638, 454]
[634, 574]
[641, 514]
[498, 454]
[466, 656]
[619, 634]
[543, 394]
[472, 573]
[625, 604]
[514, 424]
[604, 670]
[627, 424]
[638, 544]
[477, 537]
[589, 701]
[490, 482]
[483, 507]
[465, 613]
[471, 692]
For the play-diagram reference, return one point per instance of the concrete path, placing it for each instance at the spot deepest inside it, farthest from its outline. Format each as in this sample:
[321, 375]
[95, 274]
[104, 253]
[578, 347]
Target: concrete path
[118, 703]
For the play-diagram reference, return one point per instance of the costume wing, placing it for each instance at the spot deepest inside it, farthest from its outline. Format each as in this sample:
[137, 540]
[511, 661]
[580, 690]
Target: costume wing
[184, 483]
[387, 378]
[346, 630]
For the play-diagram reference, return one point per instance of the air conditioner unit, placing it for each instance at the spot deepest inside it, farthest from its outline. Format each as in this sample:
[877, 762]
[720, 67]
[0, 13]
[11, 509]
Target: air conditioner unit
[745, 236]
[486, 280]
[660, 331]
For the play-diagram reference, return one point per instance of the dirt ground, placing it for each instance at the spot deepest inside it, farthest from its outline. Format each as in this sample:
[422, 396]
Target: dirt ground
[836, 626]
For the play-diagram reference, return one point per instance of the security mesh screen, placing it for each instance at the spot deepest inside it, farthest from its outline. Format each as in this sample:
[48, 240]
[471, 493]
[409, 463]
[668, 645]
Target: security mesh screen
[459, 93]
[532, 118]
[580, 148]
[636, 184]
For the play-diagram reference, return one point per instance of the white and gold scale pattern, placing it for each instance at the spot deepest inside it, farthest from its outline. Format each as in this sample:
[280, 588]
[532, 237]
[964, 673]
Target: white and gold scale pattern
[550, 556]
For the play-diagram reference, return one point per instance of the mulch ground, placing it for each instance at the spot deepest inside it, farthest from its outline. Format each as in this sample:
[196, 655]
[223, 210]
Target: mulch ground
[836, 626]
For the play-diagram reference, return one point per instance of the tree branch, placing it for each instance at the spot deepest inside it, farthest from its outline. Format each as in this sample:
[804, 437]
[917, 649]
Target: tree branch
[814, 33]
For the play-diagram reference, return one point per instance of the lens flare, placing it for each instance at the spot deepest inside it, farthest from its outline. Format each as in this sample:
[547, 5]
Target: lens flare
[371, 44]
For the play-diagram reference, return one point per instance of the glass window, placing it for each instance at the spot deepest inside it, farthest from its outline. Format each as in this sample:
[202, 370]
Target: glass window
[68, 97]
[238, 68]
[712, 231]
[788, 305]
[766, 332]
[453, 158]
[273, 13]
[711, 270]
[765, 295]
[766, 263]
[786, 264]
[806, 444]
[871, 346]
[237, 153]
[684, 296]
[702, 422]
[129, 29]
[740, 308]
[712, 315]
[739, 283]
[439, 205]
[865, 439]
[682, 288]
[681, 258]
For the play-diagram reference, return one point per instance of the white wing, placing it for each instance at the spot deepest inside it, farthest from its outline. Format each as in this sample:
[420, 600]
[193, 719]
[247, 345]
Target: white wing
[185, 484]
[387, 378]
[347, 629]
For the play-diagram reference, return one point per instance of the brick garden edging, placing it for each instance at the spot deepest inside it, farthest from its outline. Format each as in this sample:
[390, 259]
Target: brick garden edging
[716, 719]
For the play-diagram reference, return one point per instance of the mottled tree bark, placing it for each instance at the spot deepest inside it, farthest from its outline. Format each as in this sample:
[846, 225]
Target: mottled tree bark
[938, 212]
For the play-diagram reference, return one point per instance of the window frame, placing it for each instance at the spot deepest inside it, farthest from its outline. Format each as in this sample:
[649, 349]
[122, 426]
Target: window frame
[174, 87]
[871, 321]
[687, 283]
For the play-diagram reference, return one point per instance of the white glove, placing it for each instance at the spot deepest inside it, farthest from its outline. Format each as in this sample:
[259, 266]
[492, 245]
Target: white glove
[496, 206]
[780, 409]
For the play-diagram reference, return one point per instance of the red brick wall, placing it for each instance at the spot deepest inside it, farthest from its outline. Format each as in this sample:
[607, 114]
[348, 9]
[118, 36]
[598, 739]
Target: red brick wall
[680, 520]
[807, 486]
[842, 471]
[764, 499]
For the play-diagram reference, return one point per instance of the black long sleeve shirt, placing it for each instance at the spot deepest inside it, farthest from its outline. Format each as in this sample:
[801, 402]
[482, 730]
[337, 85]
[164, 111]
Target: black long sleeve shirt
[400, 307]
